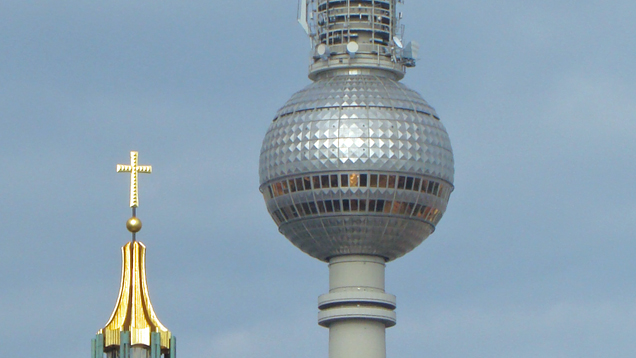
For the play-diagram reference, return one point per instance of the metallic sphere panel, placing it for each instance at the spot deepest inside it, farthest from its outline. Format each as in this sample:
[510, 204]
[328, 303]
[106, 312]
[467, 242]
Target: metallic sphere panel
[356, 164]
[343, 235]
[356, 122]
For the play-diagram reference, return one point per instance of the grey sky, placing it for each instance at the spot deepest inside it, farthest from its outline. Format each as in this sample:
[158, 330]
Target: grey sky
[534, 257]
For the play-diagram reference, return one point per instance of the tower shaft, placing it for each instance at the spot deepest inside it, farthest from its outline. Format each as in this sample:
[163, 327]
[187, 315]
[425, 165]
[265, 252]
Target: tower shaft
[356, 310]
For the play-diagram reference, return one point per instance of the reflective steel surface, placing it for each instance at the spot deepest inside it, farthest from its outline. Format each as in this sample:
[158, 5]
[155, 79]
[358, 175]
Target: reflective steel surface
[356, 163]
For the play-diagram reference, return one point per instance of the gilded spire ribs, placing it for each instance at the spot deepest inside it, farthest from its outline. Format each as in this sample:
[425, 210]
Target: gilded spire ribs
[133, 311]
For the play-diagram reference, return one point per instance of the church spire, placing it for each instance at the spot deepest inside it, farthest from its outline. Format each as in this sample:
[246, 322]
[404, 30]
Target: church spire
[134, 330]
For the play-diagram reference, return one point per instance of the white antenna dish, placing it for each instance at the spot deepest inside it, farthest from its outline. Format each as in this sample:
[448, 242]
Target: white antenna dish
[352, 48]
[398, 42]
[321, 50]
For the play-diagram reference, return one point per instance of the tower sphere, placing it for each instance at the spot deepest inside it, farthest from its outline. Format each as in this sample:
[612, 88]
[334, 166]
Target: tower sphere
[356, 163]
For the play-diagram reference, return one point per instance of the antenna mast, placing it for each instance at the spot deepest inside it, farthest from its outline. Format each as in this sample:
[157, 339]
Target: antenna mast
[356, 34]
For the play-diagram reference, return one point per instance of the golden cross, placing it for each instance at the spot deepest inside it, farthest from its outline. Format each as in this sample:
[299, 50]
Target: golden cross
[134, 169]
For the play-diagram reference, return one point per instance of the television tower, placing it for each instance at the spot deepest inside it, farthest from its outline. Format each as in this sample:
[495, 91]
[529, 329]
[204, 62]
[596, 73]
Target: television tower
[356, 169]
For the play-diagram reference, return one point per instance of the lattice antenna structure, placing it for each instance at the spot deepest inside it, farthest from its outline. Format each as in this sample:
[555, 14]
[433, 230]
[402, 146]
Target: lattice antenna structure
[356, 34]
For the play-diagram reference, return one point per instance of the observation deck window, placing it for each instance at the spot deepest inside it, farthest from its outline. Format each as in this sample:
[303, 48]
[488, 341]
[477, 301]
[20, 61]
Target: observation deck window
[391, 182]
[374, 181]
[334, 180]
[307, 209]
[383, 181]
[388, 205]
[324, 180]
[363, 180]
[321, 207]
[328, 206]
[294, 211]
[401, 182]
[278, 189]
[299, 210]
[336, 206]
[409, 183]
[357, 180]
[431, 185]
[416, 184]
[371, 205]
[353, 180]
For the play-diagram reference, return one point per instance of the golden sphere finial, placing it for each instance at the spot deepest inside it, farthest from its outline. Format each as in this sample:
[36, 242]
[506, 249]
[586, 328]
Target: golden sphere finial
[133, 224]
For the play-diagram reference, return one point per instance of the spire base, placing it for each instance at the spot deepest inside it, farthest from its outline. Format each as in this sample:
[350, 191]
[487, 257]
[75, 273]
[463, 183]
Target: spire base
[133, 311]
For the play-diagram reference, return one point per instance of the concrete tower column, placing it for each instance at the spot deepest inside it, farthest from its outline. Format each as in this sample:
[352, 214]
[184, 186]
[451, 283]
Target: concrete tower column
[356, 310]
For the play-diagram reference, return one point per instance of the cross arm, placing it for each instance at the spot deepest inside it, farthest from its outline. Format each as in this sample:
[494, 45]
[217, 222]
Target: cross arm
[144, 169]
[124, 168]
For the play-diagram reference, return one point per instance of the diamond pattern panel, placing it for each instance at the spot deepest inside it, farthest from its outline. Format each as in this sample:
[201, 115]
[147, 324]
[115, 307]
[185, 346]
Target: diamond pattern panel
[394, 127]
